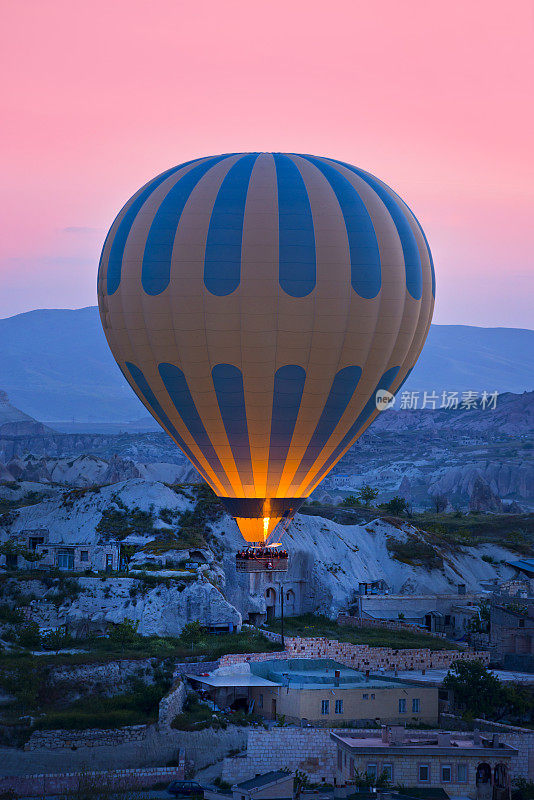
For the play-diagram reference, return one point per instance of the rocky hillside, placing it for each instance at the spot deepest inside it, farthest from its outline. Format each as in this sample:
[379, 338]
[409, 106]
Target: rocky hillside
[168, 526]
[473, 458]
[91, 470]
[14, 422]
[478, 458]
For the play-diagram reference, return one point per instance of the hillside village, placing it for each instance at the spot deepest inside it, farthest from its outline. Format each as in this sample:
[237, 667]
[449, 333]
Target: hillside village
[120, 593]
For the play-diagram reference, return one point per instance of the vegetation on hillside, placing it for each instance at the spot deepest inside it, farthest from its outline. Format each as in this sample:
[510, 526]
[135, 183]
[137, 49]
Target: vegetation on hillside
[480, 693]
[316, 625]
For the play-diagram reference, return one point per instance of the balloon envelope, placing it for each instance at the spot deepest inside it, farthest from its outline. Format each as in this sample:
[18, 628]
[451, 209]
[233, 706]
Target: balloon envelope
[256, 303]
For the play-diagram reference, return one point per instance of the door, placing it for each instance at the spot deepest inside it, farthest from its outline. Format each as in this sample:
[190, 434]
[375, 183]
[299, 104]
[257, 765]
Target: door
[273, 709]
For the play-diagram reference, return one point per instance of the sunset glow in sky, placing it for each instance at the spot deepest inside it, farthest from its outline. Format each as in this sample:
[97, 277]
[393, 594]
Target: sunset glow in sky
[434, 98]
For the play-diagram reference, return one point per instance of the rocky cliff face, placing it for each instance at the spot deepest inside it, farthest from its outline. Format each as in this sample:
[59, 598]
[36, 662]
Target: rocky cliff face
[327, 560]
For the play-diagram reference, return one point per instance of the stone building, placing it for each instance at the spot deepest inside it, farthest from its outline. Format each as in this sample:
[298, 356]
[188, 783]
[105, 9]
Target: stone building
[258, 596]
[319, 691]
[512, 635]
[478, 767]
[448, 614]
[274, 785]
[68, 556]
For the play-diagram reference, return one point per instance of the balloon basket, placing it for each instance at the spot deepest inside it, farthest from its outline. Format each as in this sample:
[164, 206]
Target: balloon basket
[261, 559]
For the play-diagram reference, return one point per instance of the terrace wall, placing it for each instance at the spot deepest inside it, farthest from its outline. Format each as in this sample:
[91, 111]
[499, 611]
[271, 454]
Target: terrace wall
[361, 656]
[60, 782]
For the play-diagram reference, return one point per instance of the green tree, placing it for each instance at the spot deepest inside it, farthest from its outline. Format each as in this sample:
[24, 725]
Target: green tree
[350, 501]
[55, 639]
[396, 506]
[475, 688]
[29, 635]
[124, 633]
[193, 633]
[367, 494]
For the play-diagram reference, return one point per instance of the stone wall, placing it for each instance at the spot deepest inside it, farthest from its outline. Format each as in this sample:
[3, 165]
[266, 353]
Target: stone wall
[194, 667]
[59, 740]
[112, 676]
[171, 705]
[349, 621]
[361, 656]
[312, 751]
[60, 782]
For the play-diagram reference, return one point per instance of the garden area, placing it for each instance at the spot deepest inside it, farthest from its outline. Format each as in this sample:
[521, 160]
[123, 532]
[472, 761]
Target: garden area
[317, 625]
[123, 642]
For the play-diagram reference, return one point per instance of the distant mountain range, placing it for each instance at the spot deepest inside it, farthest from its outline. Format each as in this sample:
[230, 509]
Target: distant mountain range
[55, 365]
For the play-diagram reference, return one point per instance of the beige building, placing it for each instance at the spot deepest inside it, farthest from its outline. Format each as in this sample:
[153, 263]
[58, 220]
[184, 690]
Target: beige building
[475, 767]
[319, 691]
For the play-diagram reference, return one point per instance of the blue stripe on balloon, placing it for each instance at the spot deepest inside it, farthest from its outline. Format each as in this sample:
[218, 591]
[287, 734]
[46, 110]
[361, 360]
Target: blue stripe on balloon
[157, 257]
[116, 253]
[288, 387]
[297, 256]
[412, 259]
[222, 257]
[228, 383]
[385, 382]
[176, 384]
[365, 269]
[341, 392]
[144, 387]
[432, 272]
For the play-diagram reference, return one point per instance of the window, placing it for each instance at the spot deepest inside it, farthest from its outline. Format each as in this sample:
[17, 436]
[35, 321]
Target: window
[387, 769]
[365, 697]
[402, 706]
[339, 707]
[424, 773]
[325, 707]
[521, 623]
[372, 771]
[84, 555]
[416, 705]
[261, 701]
[339, 759]
[447, 619]
[446, 773]
[461, 773]
[372, 697]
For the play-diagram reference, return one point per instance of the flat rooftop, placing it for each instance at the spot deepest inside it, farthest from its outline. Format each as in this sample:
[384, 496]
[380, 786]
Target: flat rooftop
[317, 673]
[437, 676]
[436, 741]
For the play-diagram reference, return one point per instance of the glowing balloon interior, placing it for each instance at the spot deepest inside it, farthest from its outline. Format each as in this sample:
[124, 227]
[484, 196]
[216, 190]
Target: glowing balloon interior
[256, 303]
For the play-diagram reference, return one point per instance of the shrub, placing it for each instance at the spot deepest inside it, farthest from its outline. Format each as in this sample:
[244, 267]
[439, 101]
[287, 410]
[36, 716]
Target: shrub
[414, 551]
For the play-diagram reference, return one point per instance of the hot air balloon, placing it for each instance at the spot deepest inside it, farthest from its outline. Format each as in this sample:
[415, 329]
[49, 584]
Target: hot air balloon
[257, 303]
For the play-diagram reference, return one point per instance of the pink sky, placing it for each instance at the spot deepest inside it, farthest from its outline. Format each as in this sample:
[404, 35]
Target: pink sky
[434, 98]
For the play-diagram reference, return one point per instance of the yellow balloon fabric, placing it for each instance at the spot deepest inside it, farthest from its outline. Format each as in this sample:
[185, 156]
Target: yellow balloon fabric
[256, 303]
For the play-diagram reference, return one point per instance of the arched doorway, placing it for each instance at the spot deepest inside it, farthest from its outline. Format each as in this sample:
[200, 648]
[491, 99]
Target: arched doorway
[501, 782]
[483, 782]
[290, 602]
[270, 603]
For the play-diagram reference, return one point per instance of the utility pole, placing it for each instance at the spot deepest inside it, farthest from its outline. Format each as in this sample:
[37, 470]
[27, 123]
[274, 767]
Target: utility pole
[282, 614]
